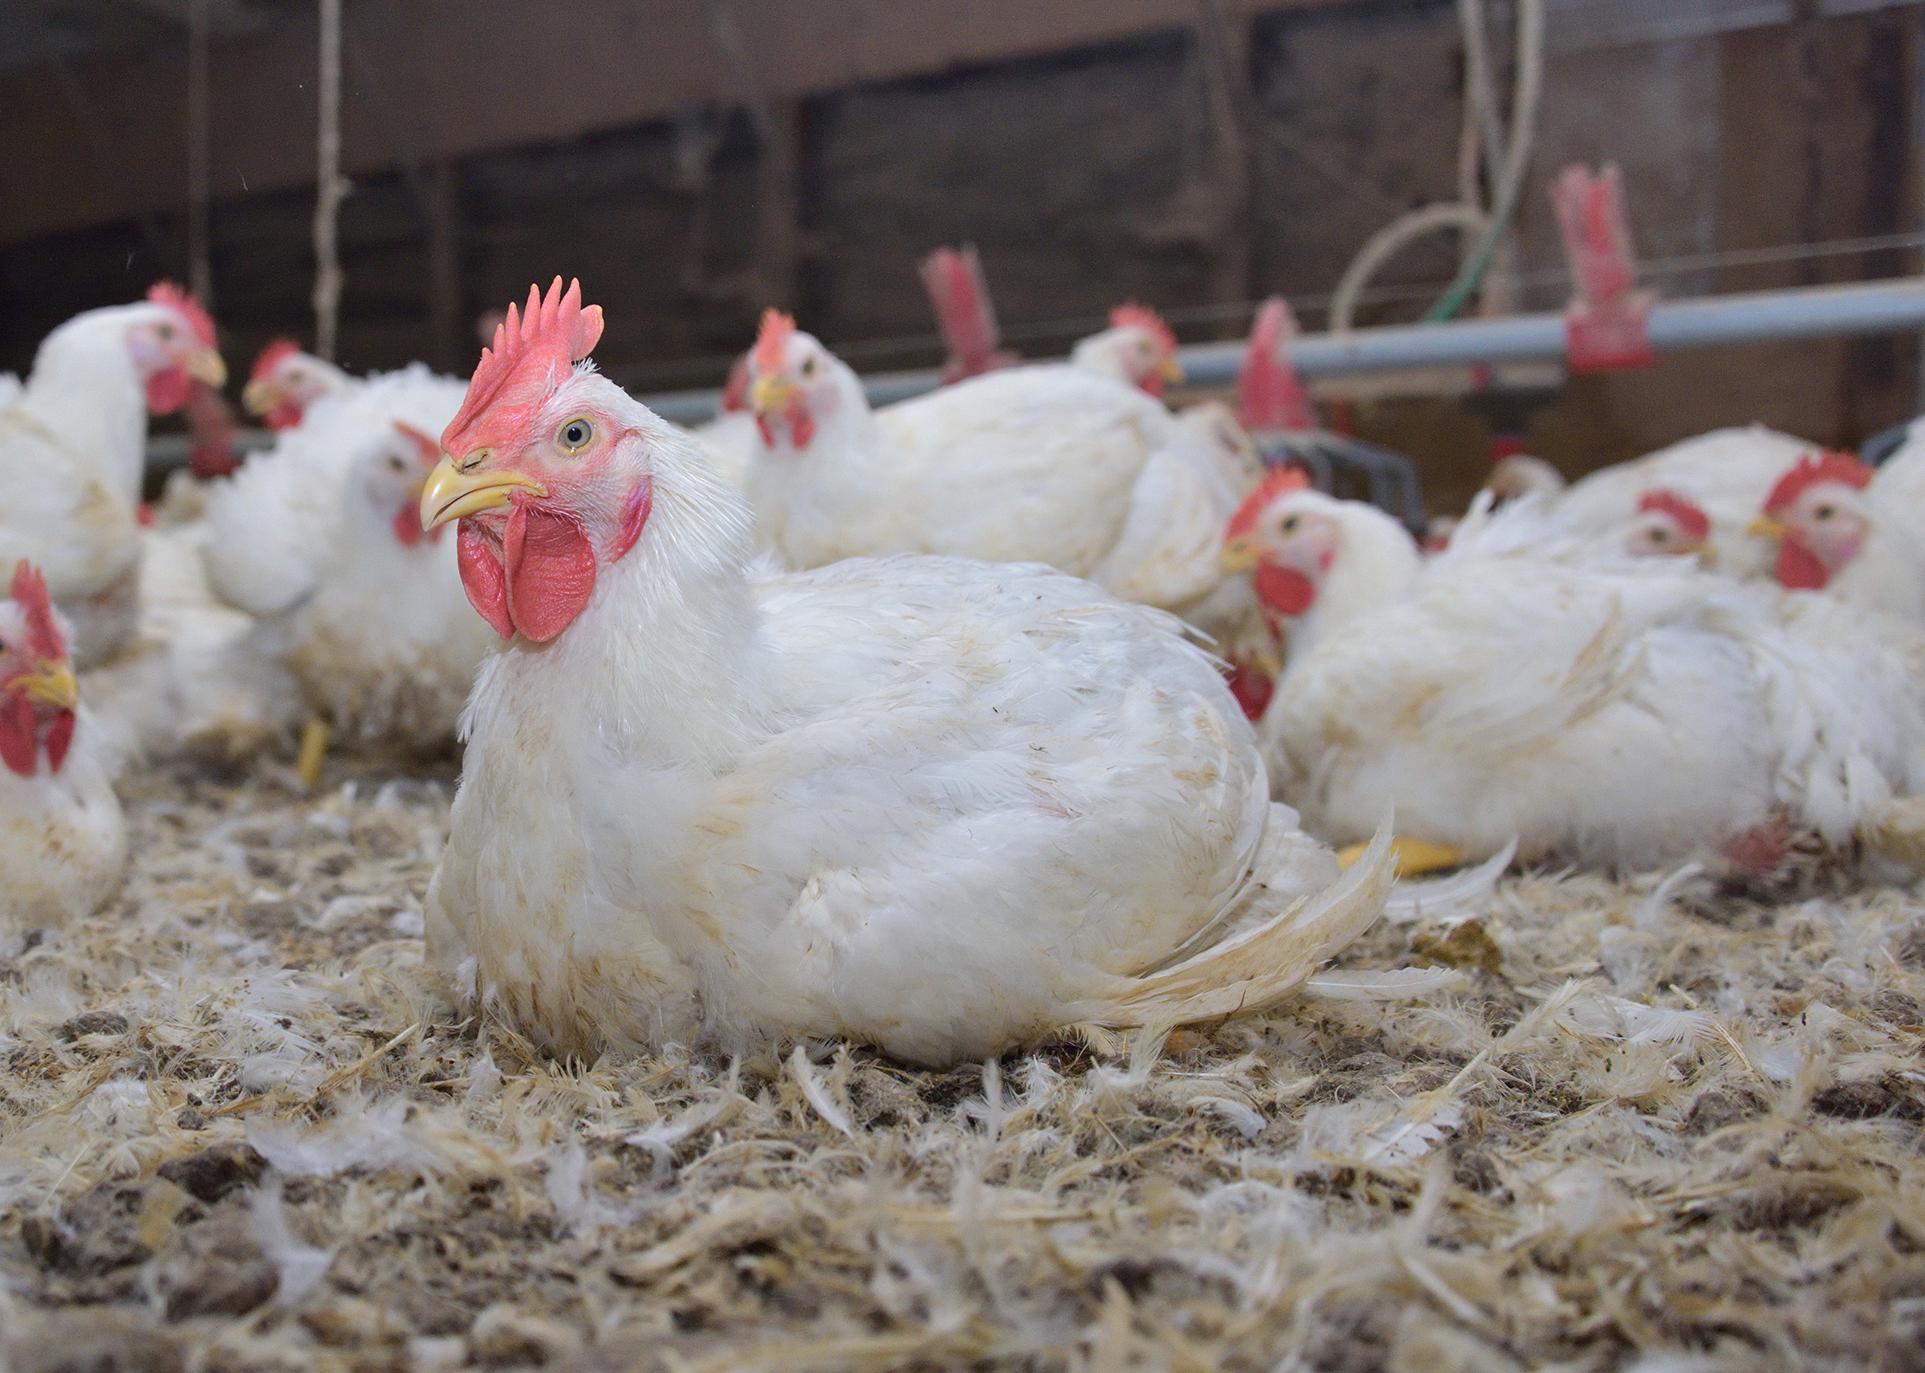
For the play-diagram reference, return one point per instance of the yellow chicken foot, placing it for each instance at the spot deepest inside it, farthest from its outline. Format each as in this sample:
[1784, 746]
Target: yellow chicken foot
[1414, 856]
[314, 751]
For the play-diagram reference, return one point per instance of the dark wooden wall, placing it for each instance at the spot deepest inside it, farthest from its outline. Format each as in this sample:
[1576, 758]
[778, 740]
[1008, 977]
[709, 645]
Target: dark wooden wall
[1189, 166]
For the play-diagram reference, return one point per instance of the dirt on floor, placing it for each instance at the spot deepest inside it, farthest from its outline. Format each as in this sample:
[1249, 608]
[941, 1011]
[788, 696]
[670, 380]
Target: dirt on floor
[241, 1128]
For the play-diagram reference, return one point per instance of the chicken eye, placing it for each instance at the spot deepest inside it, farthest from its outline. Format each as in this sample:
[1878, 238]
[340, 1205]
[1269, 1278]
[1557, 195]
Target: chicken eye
[808, 367]
[1290, 523]
[1660, 535]
[395, 464]
[1824, 512]
[166, 332]
[575, 434]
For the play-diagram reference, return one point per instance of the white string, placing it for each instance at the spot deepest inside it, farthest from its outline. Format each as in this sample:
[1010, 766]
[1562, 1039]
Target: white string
[328, 187]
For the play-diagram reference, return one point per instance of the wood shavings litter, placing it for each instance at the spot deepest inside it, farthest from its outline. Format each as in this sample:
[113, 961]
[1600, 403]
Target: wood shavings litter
[1659, 1126]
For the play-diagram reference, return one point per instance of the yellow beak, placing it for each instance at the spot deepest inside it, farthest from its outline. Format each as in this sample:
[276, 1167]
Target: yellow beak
[451, 494]
[1764, 527]
[1170, 370]
[770, 393]
[260, 396]
[53, 684]
[205, 365]
[1238, 555]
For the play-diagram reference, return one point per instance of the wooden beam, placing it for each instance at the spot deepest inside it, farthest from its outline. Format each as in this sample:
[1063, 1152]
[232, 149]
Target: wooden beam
[468, 75]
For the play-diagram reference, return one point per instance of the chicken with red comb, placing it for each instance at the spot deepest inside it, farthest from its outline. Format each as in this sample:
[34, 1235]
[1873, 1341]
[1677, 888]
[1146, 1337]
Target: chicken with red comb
[1621, 711]
[1053, 463]
[1855, 533]
[1138, 348]
[1723, 475]
[63, 842]
[933, 804]
[73, 448]
[286, 382]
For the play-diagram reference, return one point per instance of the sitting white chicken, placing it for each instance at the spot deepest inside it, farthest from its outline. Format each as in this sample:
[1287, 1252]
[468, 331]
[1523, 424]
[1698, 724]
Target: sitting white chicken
[929, 803]
[73, 443]
[1045, 463]
[1617, 711]
[1854, 532]
[1725, 474]
[63, 842]
[378, 649]
[386, 648]
[286, 382]
[268, 528]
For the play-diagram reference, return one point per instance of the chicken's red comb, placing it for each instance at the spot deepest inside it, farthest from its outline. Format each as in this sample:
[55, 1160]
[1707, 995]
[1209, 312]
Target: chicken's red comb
[1133, 316]
[1685, 512]
[532, 352]
[168, 294]
[772, 339]
[44, 641]
[273, 356]
[1279, 483]
[1814, 469]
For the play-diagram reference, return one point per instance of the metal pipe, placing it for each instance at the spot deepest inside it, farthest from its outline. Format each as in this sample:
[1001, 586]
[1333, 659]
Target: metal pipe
[1875, 307]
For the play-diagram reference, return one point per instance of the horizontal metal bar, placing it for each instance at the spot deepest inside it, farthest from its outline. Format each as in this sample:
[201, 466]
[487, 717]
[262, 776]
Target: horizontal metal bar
[1876, 307]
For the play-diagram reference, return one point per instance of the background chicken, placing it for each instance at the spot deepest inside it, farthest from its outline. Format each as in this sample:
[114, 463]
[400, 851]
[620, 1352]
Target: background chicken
[1851, 531]
[933, 804]
[286, 382]
[73, 442]
[1034, 463]
[1624, 712]
[63, 843]
[385, 649]
[1726, 474]
[268, 528]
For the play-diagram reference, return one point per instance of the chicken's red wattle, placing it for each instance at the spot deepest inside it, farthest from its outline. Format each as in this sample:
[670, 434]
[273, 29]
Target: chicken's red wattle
[1800, 569]
[1284, 589]
[540, 580]
[167, 390]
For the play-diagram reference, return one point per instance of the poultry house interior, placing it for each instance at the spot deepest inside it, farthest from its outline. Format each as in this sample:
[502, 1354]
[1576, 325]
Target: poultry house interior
[1146, 685]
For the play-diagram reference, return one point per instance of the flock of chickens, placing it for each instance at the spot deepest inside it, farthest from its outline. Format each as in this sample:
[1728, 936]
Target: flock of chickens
[1023, 704]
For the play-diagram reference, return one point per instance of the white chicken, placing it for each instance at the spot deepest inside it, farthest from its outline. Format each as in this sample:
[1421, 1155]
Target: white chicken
[1044, 463]
[73, 451]
[63, 842]
[1617, 711]
[932, 804]
[268, 528]
[286, 382]
[1854, 532]
[1726, 474]
[386, 648]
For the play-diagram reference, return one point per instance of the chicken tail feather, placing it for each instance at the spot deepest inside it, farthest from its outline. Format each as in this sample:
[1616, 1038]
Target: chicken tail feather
[1266, 959]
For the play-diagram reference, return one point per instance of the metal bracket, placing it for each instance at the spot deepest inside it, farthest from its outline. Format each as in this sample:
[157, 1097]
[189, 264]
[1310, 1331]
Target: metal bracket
[1607, 323]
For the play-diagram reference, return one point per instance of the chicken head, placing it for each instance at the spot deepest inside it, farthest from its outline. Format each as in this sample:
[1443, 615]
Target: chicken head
[171, 342]
[1819, 515]
[38, 695]
[543, 466]
[1668, 525]
[1281, 536]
